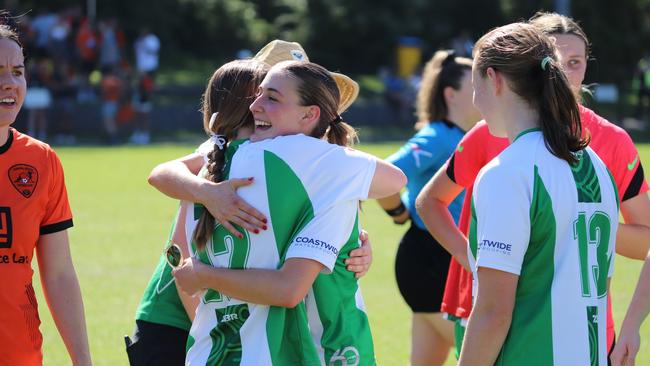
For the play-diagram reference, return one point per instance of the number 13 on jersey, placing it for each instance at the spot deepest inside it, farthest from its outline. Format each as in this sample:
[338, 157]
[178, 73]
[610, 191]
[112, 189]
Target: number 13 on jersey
[595, 259]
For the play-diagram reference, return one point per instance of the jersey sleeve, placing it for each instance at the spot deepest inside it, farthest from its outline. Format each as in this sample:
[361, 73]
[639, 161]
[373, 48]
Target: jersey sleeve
[628, 172]
[418, 154]
[502, 220]
[58, 215]
[469, 157]
[351, 179]
[324, 236]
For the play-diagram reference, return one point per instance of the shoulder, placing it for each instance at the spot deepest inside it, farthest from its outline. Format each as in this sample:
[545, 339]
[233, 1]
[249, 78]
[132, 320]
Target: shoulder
[27, 145]
[599, 127]
[516, 162]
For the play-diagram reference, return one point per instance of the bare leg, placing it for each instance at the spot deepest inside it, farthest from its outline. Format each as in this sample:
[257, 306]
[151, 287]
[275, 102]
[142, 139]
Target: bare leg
[431, 338]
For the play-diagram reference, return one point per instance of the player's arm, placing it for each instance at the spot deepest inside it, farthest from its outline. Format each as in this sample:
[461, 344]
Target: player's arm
[288, 285]
[178, 236]
[633, 237]
[387, 180]
[284, 287]
[629, 341]
[177, 179]
[63, 295]
[490, 319]
[395, 208]
[432, 205]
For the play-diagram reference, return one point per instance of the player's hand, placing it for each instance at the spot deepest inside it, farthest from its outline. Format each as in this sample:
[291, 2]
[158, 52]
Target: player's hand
[626, 348]
[360, 258]
[222, 201]
[187, 276]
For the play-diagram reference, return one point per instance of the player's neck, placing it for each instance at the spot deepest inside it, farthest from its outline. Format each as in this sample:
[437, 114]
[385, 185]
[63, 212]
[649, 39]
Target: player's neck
[519, 120]
[4, 135]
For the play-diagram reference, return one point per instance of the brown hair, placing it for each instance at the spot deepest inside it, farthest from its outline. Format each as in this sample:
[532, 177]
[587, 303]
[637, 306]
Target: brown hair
[443, 70]
[554, 23]
[230, 91]
[527, 58]
[316, 86]
[7, 28]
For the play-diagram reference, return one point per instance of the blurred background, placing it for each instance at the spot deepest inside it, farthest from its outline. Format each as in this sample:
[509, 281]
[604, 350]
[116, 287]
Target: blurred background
[118, 71]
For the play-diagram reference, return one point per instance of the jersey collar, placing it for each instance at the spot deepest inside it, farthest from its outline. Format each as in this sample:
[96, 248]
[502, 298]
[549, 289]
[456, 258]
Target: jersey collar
[7, 145]
[526, 131]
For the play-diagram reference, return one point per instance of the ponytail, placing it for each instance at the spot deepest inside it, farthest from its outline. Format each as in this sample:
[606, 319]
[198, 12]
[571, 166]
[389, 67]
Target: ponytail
[559, 114]
[341, 133]
[528, 59]
[205, 226]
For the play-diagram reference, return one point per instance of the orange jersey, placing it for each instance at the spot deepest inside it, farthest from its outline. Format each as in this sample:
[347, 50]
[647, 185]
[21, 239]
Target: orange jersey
[33, 202]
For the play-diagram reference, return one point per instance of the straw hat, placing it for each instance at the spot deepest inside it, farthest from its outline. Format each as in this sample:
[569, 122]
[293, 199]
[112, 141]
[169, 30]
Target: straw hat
[278, 50]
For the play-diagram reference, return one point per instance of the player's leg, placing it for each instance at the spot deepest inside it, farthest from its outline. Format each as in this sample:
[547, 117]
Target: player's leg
[432, 336]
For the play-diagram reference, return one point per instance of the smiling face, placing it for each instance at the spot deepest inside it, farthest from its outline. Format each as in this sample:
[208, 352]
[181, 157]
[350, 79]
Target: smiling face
[573, 55]
[12, 81]
[277, 110]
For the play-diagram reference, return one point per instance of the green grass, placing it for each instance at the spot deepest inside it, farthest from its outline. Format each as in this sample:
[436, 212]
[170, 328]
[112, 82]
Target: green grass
[121, 224]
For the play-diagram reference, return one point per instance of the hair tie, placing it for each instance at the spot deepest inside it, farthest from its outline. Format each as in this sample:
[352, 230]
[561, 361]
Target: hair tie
[336, 120]
[545, 61]
[219, 140]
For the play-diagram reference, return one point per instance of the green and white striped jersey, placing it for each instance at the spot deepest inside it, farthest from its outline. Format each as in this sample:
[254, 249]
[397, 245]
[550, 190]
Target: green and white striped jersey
[553, 225]
[309, 191]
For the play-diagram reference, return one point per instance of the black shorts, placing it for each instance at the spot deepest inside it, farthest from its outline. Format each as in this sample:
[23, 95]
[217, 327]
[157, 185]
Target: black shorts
[421, 268]
[156, 344]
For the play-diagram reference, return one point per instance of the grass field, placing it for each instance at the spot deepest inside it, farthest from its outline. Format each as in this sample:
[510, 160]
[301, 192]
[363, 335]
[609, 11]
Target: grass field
[121, 225]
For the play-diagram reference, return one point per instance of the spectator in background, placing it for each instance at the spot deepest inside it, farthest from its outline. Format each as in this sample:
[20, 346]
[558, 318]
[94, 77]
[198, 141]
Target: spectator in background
[111, 43]
[111, 90]
[38, 98]
[147, 47]
[86, 42]
[396, 95]
[64, 85]
[643, 74]
[463, 44]
[42, 25]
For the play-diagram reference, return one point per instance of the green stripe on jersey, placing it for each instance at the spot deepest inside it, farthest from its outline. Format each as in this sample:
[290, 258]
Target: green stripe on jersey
[226, 341]
[346, 339]
[291, 209]
[471, 237]
[585, 178]
[532, 318]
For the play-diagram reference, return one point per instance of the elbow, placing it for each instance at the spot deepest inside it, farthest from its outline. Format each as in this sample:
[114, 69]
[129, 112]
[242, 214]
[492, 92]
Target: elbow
[290, 296]
[154, 176]
[420, 204]
[401, 180]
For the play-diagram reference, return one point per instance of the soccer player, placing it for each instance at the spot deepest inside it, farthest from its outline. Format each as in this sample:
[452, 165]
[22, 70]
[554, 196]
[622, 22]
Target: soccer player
[34, 214]
[612, 144]
[544, 210]
[309, 190]
[164, 317]
[445, 112]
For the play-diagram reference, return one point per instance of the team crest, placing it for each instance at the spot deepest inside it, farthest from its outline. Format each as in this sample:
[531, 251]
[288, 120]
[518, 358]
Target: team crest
[24, 178]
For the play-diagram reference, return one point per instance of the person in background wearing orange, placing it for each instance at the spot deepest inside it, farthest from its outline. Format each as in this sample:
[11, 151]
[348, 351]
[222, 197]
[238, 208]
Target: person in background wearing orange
[111, 91]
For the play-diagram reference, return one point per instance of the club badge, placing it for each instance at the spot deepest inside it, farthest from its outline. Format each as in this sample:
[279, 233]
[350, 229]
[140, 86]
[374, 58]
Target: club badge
[24, 178]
